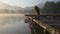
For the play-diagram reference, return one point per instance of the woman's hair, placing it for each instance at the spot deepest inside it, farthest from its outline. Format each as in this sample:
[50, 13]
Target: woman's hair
[37, 10]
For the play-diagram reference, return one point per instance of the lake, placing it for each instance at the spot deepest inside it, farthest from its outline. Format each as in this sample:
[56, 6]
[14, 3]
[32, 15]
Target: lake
[13, 24]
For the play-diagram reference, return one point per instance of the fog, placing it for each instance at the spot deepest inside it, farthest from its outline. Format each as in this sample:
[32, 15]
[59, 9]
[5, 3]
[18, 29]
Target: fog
[13, 24]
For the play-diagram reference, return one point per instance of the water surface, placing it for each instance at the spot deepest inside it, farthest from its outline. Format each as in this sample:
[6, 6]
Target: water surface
[13, 24]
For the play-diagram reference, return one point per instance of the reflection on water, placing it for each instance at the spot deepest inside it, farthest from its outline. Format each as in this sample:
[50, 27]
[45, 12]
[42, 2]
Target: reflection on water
[13, 24]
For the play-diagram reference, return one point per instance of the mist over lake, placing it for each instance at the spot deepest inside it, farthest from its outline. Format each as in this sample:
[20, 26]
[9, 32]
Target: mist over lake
[13, 24]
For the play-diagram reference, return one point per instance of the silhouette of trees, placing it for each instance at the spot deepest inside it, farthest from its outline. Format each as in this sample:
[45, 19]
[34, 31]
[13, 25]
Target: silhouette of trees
[58, 7]
[51, 7]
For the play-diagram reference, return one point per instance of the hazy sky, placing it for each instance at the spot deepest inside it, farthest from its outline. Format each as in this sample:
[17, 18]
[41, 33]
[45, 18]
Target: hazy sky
[24, 3]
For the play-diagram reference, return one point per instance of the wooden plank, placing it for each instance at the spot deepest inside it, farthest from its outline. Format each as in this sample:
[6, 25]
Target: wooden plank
[52, 30]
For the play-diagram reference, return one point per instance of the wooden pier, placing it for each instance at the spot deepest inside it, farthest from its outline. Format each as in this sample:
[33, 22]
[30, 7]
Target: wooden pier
[45, 28]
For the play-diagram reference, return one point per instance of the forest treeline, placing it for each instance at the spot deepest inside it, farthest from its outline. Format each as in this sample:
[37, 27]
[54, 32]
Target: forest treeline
[51, 7]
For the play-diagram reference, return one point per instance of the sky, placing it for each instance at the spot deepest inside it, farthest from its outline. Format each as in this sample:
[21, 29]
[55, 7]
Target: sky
[24, 3]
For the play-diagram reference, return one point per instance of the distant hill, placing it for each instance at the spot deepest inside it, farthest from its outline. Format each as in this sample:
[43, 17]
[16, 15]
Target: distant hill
[6, 8]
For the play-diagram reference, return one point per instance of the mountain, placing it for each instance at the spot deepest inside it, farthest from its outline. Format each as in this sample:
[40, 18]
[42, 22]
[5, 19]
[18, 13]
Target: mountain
[7, 6]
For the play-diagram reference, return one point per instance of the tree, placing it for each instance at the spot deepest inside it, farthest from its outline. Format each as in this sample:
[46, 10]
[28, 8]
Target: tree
[58, 7]
[49, 7]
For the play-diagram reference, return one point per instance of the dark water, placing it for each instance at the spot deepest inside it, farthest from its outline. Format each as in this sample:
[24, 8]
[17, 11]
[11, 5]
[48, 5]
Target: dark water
[13, 24]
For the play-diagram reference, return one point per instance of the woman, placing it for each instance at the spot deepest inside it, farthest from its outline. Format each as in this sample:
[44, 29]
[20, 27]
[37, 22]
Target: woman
[37, 11]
